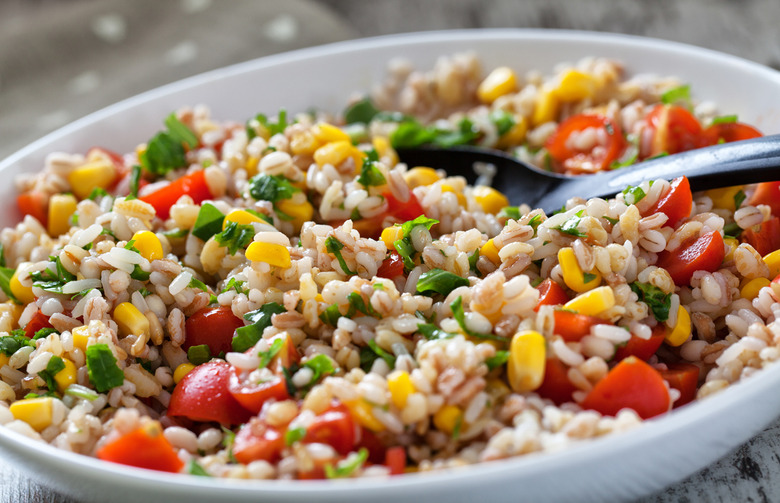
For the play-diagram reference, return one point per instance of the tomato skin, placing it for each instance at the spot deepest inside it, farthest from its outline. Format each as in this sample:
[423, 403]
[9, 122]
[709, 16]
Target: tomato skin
[144, 450]
[674, 129]
[377, 453]
[193, 185]
[684, 377]
[766, 239]
[409, 210]
[333, 427]
[395, 459]
[213, 326]
[574, 326]
[632, 384]
[676, 203]
[392, 266]
[703, 254]
[202, 395]
[257, 441]
[35, 204]
[37, 322]
[572, 161]
[728, 132]
[556, 384]
[642, 348]
[550, 294]
[767, 193]
[253, 396]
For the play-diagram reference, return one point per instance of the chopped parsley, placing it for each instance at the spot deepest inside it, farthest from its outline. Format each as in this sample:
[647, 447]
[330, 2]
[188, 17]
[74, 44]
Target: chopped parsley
[199, 354]
[612, 221]
[273, 127]
[268, 355]
[739, 198]
[678, 96]
[228, 439]
[10, 344]
[588, 277]
[166, 150]
[410, 133]
[235, 284]
[334, 246]
[460, 317]
[632, 195]
[246, 337]
[503, 120]
[194, 468]
[271, 188]
[658, 301]
[473, 258]
[5, 282]
[235, 237]
[370, 175]
[372, 352]
[361, 112]
[321, 365]
[209, 222]
[509, 212]
[724, 119]
[44, 332]
[404, 246]
[440, 281]
[135, 181]
[357, 304]
[495, 361]
[104, 373]
[348, 466]
[52, 368]
[571, 226]
[196, 283]
[432, 332]
[97, 192]
[331, 314]
[732, 230]
[52, 280]
[294, 435]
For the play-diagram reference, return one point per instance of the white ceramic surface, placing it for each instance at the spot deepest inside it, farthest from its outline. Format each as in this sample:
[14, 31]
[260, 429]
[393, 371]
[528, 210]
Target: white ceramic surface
[618, 467]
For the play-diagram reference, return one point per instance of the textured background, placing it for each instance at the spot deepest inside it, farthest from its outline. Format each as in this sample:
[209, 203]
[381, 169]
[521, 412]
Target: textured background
[62, 59]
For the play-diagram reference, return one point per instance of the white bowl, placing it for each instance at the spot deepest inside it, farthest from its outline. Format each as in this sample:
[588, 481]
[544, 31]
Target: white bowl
[629, 465]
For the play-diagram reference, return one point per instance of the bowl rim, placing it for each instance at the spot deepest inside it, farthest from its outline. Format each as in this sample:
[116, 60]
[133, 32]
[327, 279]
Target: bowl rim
[652, 430]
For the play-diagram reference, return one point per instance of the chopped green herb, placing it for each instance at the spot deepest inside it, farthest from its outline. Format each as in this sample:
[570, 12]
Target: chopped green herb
[97, 192]
[331, 314]
[473, 258]
[370, 175]
[633, 195]
[739, 198]
[246, 337]
[571, 226]
[658, 301]
[495, 361]
[199, 354]
[135, 180]
[588, 277]
[431, 332]
[268, 355]
[228, 439]
[175, 233]
[196, 283]
[194, 468]
[10, 344]
[613, 221]
[537, 281]
[334, 246]
[348, 466]
[404, 246]
[357, 304]
[52, 280]
[321, 365]
[80, 391]
[458, 426]
[139, 274]
[146, 364]
[724, 119]
[439, 281]
[272, 127]
[509, 212]
[52, 368]
[732, 230]
[271, 188]
[370, 353]
[460, 317]
[503, 120]
[144, 292]
[104, 373]
[2, 255]
[45, 332]
[236, 285]
[166, 150]
[5, 282]
[360, 111]
[235, 237]
[208, 223]
[679, 95]
[294, 435]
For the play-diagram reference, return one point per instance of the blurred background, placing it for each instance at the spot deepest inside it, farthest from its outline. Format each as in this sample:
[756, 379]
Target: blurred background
[62, 59]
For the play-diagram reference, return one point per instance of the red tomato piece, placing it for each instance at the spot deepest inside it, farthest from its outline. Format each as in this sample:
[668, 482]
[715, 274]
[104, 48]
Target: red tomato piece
[391, 267]
[257, 441]
[703, 254]
[376, 450]
[766, 239]
[286, 356]
[674, 129]
[37, 322]
[631, 384]
[333, 427]
[145, 447]
[642, 348]
[684, 377]
[35, 204]
[556, 384]
[403, 211]
[574, 326]
[767, 193]
[569, 159]
[202, 395]
[395, 459]
[213, 326]
[252, 396]
[726, 132]
[676, 203]
[193, 185]
[550, 294]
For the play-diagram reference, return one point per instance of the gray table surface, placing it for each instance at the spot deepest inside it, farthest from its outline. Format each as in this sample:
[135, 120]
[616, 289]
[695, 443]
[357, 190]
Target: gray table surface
[60, 60]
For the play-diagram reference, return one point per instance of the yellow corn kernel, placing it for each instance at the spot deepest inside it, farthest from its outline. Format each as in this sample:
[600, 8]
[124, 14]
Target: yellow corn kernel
[593, 302]
[459, 195]
[36, 412]
[181, 371]
[66, 376]
[241, 217]
[251, 166]
[148, 245]
[23, 294]
[15, 310]
[497, 389]
[491, 200]
[751, 288]
[80, 337]
[392, 234]
[333, 153]
[575, 86]
[400, 386]
[731, 245]
[421, 176]
[573, 276]
[546, 107]
[772, 260]
[527, 358]
[724, 197]
[304, 143]
[61, 208]
[446, 419]
[499, 82]
[300, 213]
[130, 320]
[385, 149]
[270, 253]
[515, 135]
[327, 133]
[84, 179]
[490, 250]
[3, 360]
[681, 330]
[361, 412]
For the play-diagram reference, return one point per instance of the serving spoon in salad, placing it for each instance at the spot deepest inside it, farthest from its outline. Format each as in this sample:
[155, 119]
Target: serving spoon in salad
[748, 161]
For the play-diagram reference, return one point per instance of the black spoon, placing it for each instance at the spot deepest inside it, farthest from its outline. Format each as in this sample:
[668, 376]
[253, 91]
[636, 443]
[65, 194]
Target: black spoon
[747, 161]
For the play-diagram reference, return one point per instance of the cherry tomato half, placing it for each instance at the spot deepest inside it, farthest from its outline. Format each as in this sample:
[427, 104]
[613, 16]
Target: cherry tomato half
[252, 396]
[37, 322]
[574, 326]
[703, 254]
[631, 384]
[550, 294]
[673, 129]
[256, 441]
[676, 203]
[391, 267]
[642, 348]
[598, 157]
[333, 427]
[728, 132]
[202, 395]
[213, 326]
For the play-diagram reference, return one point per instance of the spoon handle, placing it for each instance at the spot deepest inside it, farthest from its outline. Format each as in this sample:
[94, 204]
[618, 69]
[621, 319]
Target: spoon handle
[748, 161]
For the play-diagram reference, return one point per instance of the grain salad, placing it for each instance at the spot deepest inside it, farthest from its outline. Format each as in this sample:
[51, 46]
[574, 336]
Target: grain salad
[284, 299]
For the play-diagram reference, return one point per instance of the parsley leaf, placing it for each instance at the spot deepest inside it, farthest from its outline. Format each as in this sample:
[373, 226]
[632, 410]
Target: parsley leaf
[52, 280]
[199, 354]
[334, 246]
[5, 282]
[739, 198]
[370, 175]
[588, 277]
[404, 246]
[246, 337]
[166, 150]
[135, 180]
[678, 95]
[440, 281]
[431, 332]
[10, 344]
[360, 111]
[320, 365]
[633, 195]
[331, 314]
[271, 188]
[208, 222]
[52, 368]
[724, 119]
[235, 236]
[44, 332]
[272, 127]
[510, 212]
[503, 120]
[571, 226]
[658, 301]
[268, 355]
[495, 361]
[104, 373]
[348, 466]
[460, 317]
[236, 285]
[368, 354]
[194, 468]
[294, 435]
